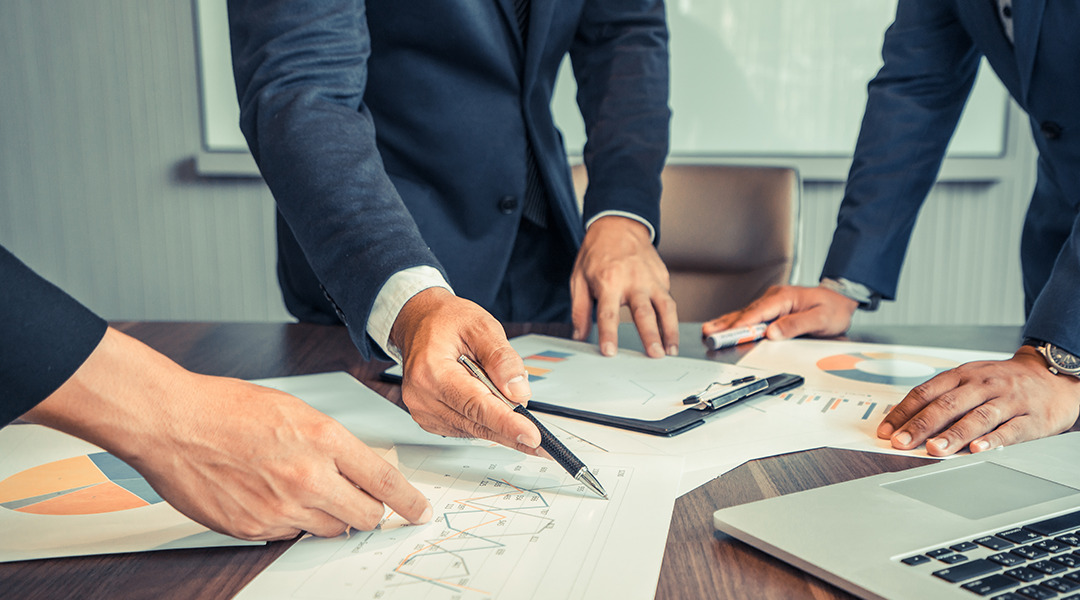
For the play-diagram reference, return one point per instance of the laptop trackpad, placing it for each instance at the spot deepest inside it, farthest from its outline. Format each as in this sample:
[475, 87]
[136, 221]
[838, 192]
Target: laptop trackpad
[980, 490]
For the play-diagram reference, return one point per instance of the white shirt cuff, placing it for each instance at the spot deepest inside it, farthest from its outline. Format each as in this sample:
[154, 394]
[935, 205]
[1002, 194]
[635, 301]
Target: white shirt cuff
[854, 290]
[621, 213]
[398, 290]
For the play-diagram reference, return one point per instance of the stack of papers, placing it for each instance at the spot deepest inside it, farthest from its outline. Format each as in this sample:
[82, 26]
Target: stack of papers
[849, 387]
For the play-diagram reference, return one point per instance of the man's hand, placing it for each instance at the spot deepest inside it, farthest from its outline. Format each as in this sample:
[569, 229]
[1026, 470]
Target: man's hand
[618, 266]
[983, 405]
[793, 311]
[241, 459]
[432, 330]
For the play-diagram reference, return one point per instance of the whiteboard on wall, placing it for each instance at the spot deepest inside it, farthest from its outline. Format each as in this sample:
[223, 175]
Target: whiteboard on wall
[220, 108]
[783, 78]
[758, 78]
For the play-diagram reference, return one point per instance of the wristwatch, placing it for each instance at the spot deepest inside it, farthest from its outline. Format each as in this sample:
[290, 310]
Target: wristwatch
[1058, 360]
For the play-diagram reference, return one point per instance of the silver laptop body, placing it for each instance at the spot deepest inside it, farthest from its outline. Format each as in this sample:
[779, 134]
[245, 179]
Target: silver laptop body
[1011, 515]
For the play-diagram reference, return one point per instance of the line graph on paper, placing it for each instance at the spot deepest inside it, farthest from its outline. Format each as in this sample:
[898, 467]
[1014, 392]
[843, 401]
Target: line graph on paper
[500, 530]
[480, 528]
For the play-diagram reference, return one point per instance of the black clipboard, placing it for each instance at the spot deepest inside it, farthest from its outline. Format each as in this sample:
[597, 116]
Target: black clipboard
[679, 422]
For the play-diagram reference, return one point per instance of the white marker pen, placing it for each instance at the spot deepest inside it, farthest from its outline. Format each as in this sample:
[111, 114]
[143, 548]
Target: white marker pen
[733, 337]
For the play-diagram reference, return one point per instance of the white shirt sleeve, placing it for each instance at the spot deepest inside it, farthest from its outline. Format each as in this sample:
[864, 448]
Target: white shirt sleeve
[398, 290]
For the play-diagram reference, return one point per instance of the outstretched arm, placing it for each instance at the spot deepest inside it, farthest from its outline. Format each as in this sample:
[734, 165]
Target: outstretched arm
[242, 459]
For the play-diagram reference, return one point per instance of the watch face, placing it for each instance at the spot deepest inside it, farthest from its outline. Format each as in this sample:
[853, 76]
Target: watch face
[1063, 360]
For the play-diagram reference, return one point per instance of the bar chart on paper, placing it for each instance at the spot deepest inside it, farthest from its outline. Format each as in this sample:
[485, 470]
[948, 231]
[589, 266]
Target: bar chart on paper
[507, 529]
[831, 417]
[843, 405]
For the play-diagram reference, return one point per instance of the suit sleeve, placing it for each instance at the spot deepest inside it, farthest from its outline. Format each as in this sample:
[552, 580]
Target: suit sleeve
[913, 107]
[620, 60]
[300, 68]
[45, 335]
[1055, 314]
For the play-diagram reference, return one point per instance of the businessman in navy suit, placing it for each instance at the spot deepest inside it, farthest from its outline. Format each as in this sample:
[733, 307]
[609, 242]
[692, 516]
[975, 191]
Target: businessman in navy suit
[931, 52]
[423, 189]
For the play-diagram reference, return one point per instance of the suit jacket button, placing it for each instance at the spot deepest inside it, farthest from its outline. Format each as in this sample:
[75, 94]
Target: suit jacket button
[508, 204]
[1050, 129]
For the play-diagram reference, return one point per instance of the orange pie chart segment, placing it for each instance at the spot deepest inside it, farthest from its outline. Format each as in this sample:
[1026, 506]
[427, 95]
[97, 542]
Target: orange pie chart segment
[82, 485]
[67, 474]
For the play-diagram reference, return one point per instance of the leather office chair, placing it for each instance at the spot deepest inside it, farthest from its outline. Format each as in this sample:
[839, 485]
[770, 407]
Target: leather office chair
[727, 233]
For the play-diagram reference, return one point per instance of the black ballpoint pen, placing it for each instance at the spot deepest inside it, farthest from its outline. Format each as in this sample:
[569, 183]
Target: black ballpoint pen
[548, 442]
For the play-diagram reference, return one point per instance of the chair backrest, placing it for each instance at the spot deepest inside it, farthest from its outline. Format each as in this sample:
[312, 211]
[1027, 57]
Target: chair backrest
[727, 233]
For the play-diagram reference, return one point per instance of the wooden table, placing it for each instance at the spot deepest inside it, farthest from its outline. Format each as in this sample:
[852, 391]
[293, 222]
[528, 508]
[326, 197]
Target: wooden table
[698, 562]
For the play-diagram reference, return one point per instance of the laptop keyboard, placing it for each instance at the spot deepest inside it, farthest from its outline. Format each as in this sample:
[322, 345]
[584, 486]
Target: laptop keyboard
[1031, 562]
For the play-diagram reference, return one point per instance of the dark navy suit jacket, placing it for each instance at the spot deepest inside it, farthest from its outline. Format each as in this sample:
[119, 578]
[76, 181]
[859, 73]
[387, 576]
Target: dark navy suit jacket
[45, 336]
[931, 54]
[393, 133]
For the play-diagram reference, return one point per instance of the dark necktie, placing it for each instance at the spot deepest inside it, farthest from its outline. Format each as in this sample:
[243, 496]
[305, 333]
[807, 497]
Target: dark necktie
[536, 206]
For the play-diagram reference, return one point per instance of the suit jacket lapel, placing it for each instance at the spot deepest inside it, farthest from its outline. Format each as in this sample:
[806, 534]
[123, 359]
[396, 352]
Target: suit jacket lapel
[1027, 21]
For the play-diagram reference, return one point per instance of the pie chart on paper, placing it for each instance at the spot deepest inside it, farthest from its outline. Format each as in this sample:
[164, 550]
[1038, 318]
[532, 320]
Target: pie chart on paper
[83, 485]
[889, 368]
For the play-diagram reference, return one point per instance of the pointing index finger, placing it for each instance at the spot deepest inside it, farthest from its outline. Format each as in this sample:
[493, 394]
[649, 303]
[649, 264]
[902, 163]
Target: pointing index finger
[380, 480]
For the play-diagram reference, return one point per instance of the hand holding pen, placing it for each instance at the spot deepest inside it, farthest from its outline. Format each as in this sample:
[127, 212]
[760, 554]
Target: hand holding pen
[548, 441]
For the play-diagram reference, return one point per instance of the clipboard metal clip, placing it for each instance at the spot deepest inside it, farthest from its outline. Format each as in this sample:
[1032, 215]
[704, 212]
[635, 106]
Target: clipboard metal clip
[732, 391]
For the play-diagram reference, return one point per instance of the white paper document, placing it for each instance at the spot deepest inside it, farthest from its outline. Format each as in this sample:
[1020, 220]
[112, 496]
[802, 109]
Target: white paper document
[850, 386]
[632, 385]
[849, 389]
[507, 523]
[506, 526]
[875, 369]
[61, 496]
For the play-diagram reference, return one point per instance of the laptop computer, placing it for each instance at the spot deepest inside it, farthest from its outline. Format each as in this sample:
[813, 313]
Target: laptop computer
[1002, 524]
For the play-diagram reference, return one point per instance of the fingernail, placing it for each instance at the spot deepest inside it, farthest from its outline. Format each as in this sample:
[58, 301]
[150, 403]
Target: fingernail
[940, 444]
[529, 440]
[519, 387]
[980, 445]
[424, 518]
[656, 349]
[903, 438]
[607, 349]
[673, 350]
[576, 335]
[885, 430]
